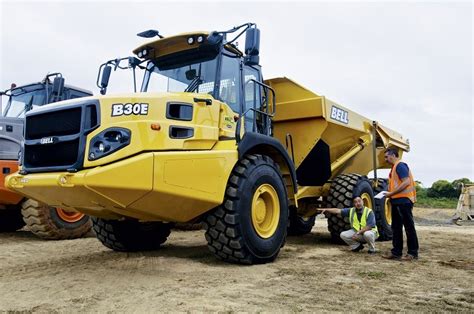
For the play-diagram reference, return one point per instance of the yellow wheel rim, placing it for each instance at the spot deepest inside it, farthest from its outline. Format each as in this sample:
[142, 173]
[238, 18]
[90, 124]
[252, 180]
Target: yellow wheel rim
[388, 211]
[265, 211]
[367, 200]
[68, 216]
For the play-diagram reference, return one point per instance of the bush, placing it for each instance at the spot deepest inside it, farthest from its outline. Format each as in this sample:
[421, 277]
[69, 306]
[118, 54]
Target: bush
[442, 188]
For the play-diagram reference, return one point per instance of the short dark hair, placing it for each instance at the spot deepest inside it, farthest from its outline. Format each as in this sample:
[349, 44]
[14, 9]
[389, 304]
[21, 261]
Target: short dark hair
[392, 151]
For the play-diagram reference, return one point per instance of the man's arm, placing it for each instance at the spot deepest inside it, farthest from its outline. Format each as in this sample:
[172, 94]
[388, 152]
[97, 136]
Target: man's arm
[401, 187]
[331, 210]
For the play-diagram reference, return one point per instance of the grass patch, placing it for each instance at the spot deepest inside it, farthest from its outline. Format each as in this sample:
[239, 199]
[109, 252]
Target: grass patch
[372, 274]
[432, 202]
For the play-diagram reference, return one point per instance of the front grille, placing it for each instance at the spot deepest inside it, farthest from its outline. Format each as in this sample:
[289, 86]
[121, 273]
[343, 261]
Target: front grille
[60, 154]
[59, 123]
[55, 140]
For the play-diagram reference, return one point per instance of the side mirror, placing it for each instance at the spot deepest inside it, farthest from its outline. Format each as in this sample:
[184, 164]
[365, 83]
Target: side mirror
[252, 46]
[104, 81]
[58, 86]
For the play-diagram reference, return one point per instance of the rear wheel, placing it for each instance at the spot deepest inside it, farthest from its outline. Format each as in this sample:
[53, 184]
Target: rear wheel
[383, 212]
[250, 225]
[130, 235]
[54, 223]
[299, 225]
[341, 195]
[11, 219]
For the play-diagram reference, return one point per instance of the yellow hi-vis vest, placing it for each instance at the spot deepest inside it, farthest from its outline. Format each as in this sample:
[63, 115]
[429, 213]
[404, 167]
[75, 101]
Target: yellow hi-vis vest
[356, 224]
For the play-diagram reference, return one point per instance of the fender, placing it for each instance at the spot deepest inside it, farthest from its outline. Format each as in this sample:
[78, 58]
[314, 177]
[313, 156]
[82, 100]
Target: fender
[267, 145]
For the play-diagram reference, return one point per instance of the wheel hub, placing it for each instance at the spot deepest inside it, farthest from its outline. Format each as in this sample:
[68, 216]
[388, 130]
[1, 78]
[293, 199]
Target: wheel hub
[367, 200]
[69, 216]
[265, 211]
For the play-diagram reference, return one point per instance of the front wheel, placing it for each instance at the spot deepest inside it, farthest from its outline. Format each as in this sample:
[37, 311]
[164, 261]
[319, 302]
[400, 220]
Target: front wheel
[250, 225]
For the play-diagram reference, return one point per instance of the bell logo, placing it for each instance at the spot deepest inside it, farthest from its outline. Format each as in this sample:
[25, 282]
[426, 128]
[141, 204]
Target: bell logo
[47, 140]
[339, 115]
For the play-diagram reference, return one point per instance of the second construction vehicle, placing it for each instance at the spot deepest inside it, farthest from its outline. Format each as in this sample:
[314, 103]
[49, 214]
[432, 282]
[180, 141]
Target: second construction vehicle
[205, 138]
[16, 210]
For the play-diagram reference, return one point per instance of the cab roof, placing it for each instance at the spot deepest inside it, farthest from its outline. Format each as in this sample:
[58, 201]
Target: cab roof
[168, 45]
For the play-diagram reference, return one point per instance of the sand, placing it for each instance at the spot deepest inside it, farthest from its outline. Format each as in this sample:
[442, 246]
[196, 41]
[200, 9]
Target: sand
[310, 274]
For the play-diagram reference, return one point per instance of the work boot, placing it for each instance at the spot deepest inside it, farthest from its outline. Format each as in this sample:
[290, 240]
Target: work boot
[370, 251]
[409, 258]
[357, 249]
[391, 256]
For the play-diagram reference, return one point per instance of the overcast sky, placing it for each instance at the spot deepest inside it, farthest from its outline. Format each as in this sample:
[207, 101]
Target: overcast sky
[407, 65]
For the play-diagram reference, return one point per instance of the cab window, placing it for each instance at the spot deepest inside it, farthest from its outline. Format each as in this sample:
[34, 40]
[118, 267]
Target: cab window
[230, 82]
[252, 97]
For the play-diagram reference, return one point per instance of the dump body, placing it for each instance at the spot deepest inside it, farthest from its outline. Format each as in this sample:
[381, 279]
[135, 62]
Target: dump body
[320, 134]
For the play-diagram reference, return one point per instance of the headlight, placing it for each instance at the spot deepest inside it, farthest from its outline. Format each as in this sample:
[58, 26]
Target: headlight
[108, 142]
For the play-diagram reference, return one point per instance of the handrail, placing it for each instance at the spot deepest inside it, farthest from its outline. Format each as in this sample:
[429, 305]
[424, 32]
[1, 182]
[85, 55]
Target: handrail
[265, 113]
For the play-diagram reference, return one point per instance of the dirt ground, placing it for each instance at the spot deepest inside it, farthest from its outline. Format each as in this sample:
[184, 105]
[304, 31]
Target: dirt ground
[311, 274]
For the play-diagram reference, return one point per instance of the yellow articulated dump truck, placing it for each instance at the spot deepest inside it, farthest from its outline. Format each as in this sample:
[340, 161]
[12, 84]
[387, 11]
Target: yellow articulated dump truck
[204, 139]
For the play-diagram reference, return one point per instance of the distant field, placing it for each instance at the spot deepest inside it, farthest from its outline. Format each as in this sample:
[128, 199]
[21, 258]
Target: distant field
[431, 202]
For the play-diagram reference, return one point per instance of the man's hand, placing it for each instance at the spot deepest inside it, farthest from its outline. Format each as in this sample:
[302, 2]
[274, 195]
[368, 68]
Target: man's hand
[357, 235]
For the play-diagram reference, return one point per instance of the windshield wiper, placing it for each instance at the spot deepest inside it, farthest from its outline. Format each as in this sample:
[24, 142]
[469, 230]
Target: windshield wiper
[193, 85]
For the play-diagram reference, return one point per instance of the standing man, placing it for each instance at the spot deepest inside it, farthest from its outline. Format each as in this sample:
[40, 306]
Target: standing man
[402, 194]
[363, 226]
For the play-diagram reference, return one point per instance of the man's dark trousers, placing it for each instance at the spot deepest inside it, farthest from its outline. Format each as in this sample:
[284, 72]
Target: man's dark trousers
[402, 216]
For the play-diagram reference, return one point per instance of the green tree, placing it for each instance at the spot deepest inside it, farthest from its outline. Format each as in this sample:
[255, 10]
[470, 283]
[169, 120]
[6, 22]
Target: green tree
[442, 188]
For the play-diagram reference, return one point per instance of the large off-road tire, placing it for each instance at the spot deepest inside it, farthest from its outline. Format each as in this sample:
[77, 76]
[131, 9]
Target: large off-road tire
[383, 212]
[130, 235]
[11, 219]
[52, 223]
[299, 225]
[250, 225]
[343, 189]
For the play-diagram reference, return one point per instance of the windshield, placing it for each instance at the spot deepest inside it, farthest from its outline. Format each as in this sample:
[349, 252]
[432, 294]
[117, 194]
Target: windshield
[198, 77]
[18, 103]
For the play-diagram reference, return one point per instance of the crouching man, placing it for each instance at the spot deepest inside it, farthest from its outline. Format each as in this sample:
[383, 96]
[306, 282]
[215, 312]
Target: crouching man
[363, 226]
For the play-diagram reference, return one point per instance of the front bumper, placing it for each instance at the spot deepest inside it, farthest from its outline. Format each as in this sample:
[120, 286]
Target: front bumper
[154, 186]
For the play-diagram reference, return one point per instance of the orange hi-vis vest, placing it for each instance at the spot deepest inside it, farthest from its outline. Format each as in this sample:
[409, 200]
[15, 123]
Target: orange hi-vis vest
[394, 182]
